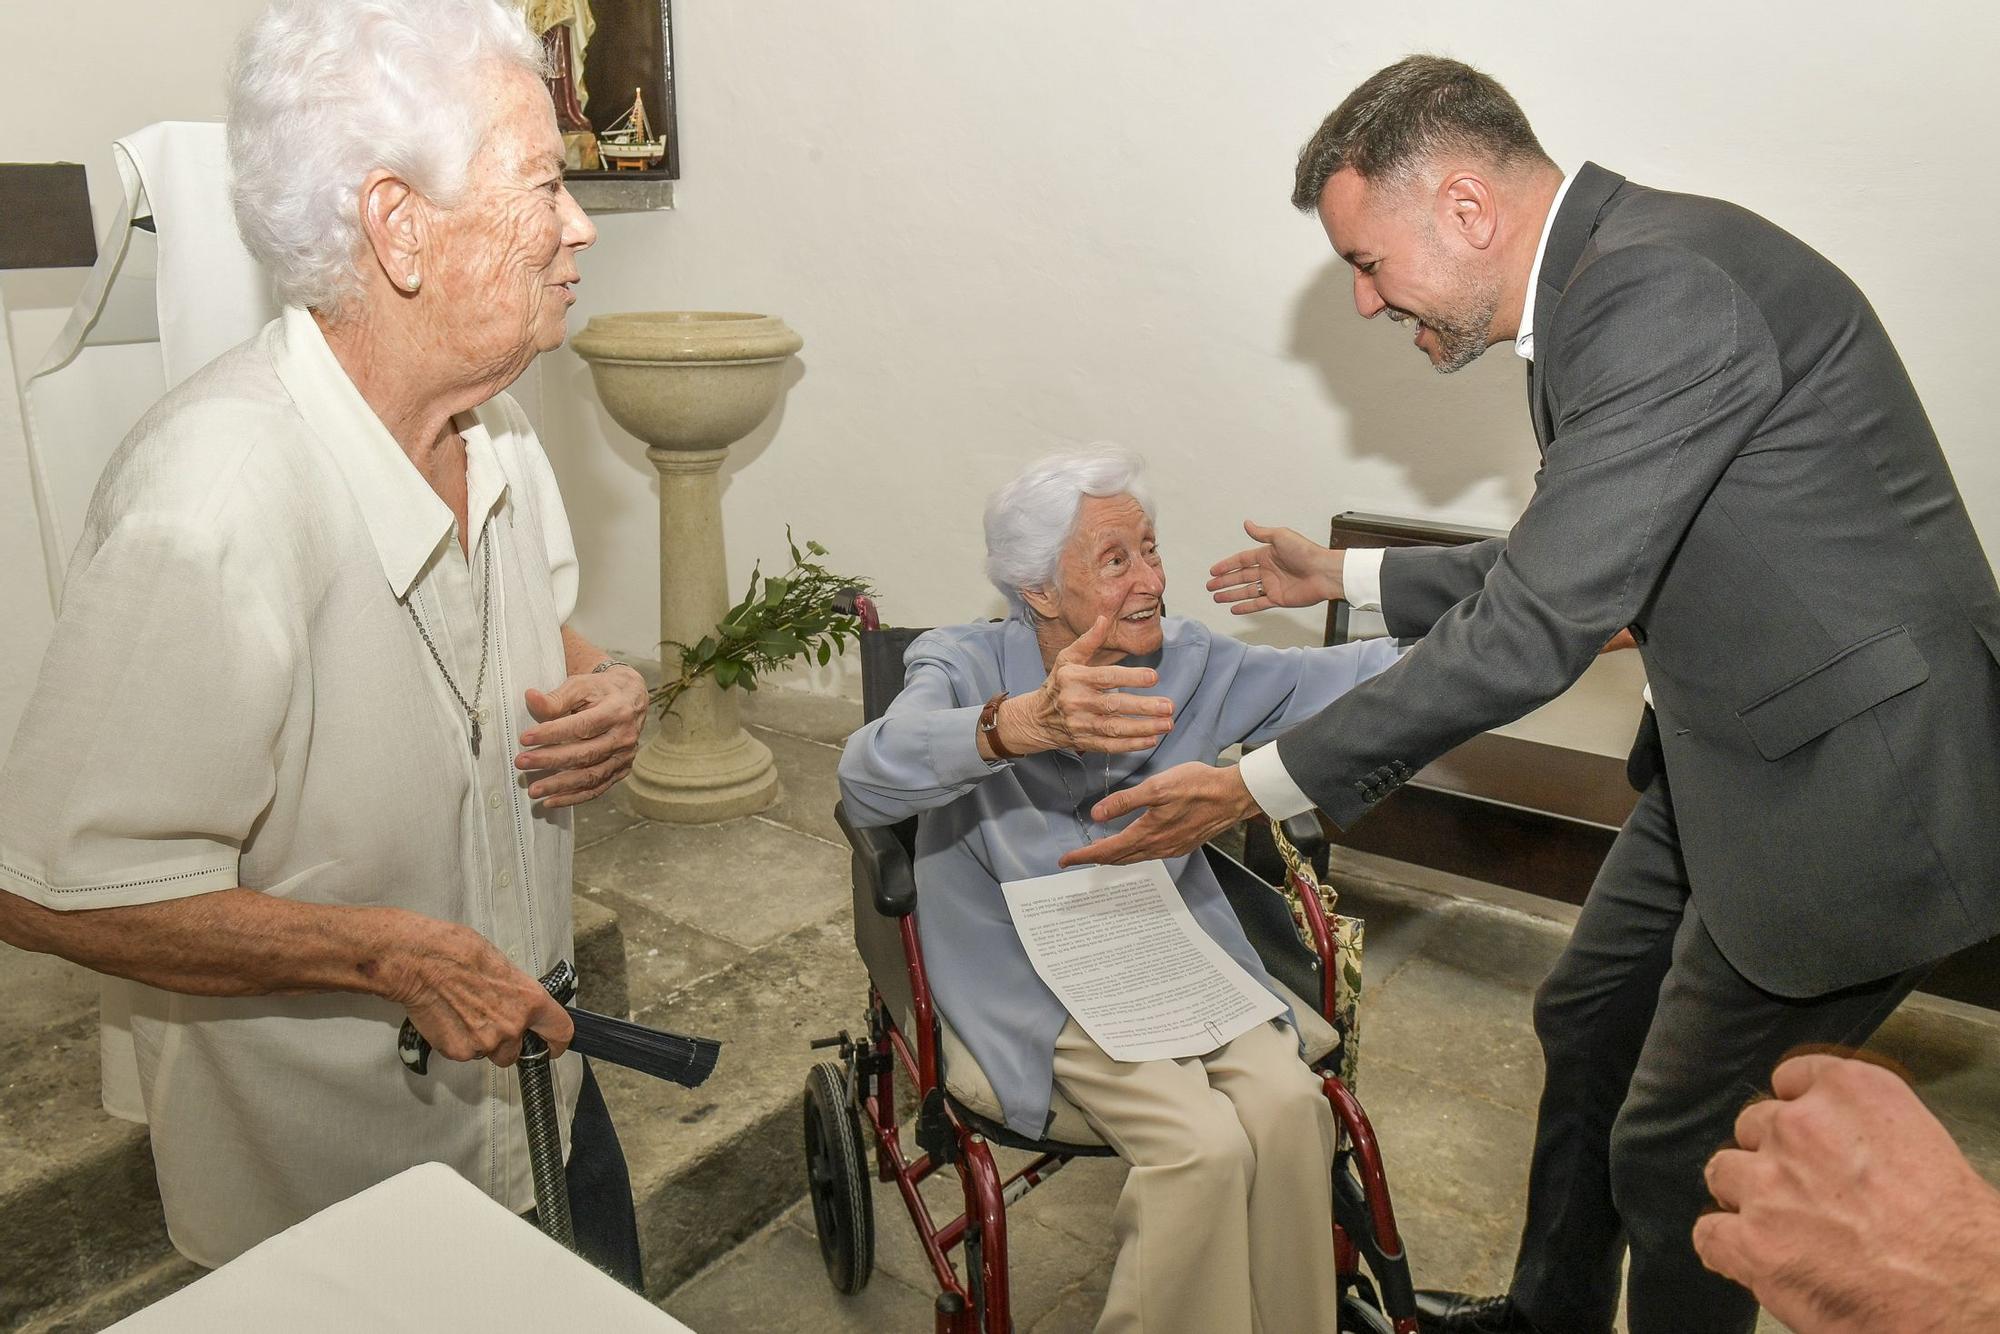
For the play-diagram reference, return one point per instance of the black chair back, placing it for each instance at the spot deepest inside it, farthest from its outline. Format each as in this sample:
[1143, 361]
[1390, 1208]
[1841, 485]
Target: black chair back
[882, 667]
[877, 935]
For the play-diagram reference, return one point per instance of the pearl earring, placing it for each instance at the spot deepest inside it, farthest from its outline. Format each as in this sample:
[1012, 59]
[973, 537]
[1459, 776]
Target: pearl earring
[413, 282]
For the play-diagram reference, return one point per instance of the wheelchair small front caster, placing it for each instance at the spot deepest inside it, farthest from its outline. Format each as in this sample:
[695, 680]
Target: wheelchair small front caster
[837, 1176]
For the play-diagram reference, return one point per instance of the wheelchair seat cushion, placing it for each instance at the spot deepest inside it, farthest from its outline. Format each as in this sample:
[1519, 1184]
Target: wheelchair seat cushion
[967, 1083]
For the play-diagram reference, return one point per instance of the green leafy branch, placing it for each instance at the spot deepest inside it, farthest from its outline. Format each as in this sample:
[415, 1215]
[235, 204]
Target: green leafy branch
[790, 616]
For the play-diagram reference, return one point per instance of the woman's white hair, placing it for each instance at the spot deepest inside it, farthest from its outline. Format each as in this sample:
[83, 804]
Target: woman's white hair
[325, 91]
[1029, 520]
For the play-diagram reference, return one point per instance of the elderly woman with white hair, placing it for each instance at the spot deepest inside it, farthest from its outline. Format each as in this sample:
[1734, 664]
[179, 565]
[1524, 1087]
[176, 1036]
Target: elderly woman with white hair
[303, 750]
[1005, 737]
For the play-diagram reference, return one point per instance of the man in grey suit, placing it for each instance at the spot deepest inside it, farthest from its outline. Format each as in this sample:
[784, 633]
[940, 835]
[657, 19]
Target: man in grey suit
[1735, 467]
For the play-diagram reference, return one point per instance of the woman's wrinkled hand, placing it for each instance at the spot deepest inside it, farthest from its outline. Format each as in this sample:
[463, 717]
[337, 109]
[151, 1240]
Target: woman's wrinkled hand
[468, 1000]
[1288, 570]
[585, 734]
[1086, 708]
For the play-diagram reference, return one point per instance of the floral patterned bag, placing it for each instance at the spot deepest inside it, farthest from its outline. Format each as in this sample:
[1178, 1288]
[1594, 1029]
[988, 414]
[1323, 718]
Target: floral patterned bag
[1314, 907]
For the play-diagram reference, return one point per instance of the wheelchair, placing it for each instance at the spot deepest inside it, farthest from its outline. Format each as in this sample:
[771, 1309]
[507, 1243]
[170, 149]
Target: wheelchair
[958, 1117]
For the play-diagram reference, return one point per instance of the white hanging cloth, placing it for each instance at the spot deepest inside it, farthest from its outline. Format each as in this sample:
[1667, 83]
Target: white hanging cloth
[157, 307]
[24, 586]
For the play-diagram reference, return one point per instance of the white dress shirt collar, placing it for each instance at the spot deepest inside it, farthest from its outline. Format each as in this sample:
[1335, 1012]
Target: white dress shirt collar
[405, 517]
[1524, 341]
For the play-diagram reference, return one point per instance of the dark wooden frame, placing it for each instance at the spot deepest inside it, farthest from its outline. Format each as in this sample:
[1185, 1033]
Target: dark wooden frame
[607, 64]
[1377, 530]
[45, 220]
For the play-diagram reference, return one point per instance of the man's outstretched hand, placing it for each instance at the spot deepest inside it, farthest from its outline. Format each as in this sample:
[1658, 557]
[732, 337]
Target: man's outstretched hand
[1288, 570]
[1185, 807]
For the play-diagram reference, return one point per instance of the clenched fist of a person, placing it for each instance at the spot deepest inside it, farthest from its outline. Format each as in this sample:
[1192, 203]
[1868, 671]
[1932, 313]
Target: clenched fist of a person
[1847, 1209]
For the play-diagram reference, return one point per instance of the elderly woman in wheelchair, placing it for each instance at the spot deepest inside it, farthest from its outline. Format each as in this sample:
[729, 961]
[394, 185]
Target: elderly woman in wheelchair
[1003, 738]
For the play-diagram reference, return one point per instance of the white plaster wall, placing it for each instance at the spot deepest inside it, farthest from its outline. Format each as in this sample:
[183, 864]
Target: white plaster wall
[1006, 229]
[1003, 230]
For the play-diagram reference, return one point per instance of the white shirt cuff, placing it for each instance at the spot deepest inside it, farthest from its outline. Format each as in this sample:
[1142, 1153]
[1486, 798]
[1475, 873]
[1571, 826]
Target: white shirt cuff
[1271, 786]
[1361, 578]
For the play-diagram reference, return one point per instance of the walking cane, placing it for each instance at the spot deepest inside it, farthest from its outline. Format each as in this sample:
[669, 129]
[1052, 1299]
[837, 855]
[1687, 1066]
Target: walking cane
[681, 1060]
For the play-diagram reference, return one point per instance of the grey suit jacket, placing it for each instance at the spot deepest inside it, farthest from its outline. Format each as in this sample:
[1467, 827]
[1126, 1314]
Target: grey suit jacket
[1735, 465]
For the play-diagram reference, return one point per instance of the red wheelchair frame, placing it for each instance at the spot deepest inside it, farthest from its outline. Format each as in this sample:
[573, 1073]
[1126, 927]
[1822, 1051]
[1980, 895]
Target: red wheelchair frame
[861, 1088]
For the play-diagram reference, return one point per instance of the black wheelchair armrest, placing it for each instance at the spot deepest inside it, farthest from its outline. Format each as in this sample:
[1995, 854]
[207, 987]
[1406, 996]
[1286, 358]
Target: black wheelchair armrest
[1306, 834]
[883, 862]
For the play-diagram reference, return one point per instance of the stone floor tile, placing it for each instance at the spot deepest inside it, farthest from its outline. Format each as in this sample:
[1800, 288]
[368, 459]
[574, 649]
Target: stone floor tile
[1076, 1308]
[1078, 1200]
[1497, 945]
[748, 882]
[1465, 1031]
[42, 991]
[1453, 1250]
[1460, 1154]
[1954, 1061]
[598, 820]
[776, 1283]
[1074, 1313]
[826, 718]
[808, 785]
[663, 956]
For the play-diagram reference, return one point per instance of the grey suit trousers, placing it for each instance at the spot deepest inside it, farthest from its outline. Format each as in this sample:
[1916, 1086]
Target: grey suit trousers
[1653, 1042]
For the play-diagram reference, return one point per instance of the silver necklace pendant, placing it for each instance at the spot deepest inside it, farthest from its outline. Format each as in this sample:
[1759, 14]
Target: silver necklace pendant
[474, 712]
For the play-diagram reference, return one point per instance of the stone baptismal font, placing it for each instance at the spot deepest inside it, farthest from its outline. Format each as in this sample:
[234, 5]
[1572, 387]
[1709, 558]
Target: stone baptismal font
[690, 384]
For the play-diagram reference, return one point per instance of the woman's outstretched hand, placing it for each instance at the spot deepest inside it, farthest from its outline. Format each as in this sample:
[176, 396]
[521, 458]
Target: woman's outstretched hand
[1288, 570]
[1081, 707]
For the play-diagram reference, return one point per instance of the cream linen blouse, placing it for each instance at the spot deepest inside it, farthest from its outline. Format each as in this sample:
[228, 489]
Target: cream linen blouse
[235, 694]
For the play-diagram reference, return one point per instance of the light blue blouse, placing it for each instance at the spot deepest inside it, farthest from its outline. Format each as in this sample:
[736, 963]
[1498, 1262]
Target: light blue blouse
[984, 822]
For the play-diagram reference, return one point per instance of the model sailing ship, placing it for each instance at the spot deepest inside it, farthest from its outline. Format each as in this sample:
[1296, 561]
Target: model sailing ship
[629, 143]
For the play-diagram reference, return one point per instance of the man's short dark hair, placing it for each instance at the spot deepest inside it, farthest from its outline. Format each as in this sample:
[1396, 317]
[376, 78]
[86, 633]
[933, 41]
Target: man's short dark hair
[1405, 115]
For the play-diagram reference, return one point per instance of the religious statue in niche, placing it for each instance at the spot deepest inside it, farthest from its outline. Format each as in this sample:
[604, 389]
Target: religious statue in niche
[602, 47]
[566, 27]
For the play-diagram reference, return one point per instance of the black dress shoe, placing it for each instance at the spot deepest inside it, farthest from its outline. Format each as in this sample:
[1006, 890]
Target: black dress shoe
[1459, 1313]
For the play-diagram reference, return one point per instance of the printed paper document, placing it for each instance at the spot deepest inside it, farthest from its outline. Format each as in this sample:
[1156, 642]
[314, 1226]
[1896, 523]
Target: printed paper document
[1123, 954]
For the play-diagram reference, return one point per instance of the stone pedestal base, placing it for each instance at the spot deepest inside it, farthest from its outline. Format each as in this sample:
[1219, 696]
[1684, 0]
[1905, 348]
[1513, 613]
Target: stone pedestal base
[699, 784]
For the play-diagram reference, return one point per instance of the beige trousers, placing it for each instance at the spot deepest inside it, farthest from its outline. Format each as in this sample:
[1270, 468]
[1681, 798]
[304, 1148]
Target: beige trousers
[1225, 1225]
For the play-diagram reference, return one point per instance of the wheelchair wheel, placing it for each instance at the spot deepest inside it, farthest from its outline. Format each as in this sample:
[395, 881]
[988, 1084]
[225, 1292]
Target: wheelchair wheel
[1361, 1309]
[1360, 1316]
[837, 1176]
